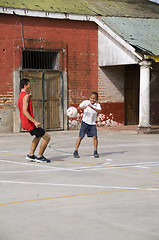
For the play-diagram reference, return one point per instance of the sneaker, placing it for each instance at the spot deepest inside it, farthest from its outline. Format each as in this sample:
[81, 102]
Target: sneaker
[76, 155]
[30, 157]
[41, 159]
[96, 155]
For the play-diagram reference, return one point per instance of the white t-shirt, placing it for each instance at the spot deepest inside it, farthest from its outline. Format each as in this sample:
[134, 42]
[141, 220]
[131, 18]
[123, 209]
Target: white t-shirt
[89, 115]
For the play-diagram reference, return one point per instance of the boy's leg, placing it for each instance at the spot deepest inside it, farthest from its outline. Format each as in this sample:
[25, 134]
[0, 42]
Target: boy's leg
[34, 145]
[39, 133]
[31, 156]
[93, 133]
[44, 143]
[76, 155]
[79, 139]
[82, 132]
[95, 142]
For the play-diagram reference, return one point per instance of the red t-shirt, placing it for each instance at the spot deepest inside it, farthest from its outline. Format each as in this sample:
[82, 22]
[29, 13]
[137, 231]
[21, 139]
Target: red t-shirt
[26, 123]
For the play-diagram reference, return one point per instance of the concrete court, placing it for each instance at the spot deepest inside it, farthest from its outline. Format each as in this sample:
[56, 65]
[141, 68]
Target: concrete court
[113, 197]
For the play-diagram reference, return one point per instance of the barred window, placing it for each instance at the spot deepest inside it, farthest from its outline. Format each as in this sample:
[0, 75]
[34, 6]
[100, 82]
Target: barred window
[40, 59]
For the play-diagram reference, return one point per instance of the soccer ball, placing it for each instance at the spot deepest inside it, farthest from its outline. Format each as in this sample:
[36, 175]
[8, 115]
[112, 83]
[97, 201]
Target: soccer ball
[72, 112]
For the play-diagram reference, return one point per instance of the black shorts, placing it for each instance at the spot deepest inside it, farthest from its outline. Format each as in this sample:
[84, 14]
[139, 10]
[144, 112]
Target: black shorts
[90, 130]
[38, 132]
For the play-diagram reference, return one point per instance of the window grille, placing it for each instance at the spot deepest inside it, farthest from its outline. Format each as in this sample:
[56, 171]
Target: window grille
[40, 59]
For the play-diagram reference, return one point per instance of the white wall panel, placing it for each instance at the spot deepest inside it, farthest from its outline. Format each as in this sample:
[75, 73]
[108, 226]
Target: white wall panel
[111, 52]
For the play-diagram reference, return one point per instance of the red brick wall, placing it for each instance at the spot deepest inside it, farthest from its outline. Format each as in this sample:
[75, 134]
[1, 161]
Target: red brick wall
[6, 62]
[80, 37]
[79, 40]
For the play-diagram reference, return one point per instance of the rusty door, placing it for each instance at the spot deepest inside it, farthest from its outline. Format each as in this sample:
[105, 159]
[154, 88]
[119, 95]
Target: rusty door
[47, 97]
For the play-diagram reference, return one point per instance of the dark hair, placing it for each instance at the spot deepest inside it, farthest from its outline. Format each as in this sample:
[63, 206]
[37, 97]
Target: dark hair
[95, 93]
[23, 82]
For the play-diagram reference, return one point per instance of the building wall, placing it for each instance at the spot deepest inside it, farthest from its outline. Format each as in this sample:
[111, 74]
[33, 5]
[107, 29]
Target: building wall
[81, 39]
[111, 52]
[111, 95]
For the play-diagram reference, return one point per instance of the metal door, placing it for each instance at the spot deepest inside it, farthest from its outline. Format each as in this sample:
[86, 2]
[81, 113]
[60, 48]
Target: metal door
[47, 97]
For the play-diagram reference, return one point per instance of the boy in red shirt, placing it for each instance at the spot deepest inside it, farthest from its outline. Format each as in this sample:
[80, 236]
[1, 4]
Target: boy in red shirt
[30, 124]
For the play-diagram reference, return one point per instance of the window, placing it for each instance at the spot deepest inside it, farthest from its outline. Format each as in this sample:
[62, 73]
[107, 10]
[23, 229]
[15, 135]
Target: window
[40, 59]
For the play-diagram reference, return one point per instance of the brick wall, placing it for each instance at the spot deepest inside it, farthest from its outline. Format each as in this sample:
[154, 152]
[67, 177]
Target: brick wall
[111, 95]
[6, 100]
[82, 41]
[80, 37]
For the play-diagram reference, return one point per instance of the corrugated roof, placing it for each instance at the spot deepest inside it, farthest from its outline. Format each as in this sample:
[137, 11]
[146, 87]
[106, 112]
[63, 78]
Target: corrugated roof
[137, 22]
[131, 8]
[56, 6]
[140, 33]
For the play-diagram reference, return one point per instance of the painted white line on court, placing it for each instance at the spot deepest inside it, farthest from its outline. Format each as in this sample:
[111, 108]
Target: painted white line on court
[130, 145]
[27, 171]
[63, 149]
[89, 168]
[118, 140]
[67, 154]
[154, 164]
[143, 167]
[129, 165]
[78, 185]
[37, 165]
[67, 185]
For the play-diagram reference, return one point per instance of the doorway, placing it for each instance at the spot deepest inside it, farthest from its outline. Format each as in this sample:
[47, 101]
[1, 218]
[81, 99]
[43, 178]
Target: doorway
[47, 97]
[132, 79]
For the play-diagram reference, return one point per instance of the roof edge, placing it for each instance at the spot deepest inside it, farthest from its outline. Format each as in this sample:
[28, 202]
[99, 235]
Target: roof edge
[46, 14]
[43, 14]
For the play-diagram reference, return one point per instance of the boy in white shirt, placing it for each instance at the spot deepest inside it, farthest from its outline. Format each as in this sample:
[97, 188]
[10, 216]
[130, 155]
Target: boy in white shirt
[88, 125]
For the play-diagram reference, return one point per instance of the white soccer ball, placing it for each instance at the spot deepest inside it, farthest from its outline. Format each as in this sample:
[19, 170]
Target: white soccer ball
[72, 112]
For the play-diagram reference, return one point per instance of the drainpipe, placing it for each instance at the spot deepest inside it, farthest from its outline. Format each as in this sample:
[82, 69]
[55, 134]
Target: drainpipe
[144, 105]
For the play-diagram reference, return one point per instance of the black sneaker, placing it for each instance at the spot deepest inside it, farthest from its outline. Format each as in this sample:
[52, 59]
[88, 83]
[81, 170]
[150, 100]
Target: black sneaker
[96, 155]
[41, 159]
[76, 155]
[30, 157]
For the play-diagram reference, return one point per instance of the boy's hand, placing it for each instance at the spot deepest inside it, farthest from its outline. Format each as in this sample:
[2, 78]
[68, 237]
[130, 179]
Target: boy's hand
[37, 124]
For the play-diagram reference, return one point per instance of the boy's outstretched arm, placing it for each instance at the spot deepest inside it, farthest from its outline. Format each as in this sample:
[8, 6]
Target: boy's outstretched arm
[81, 108]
